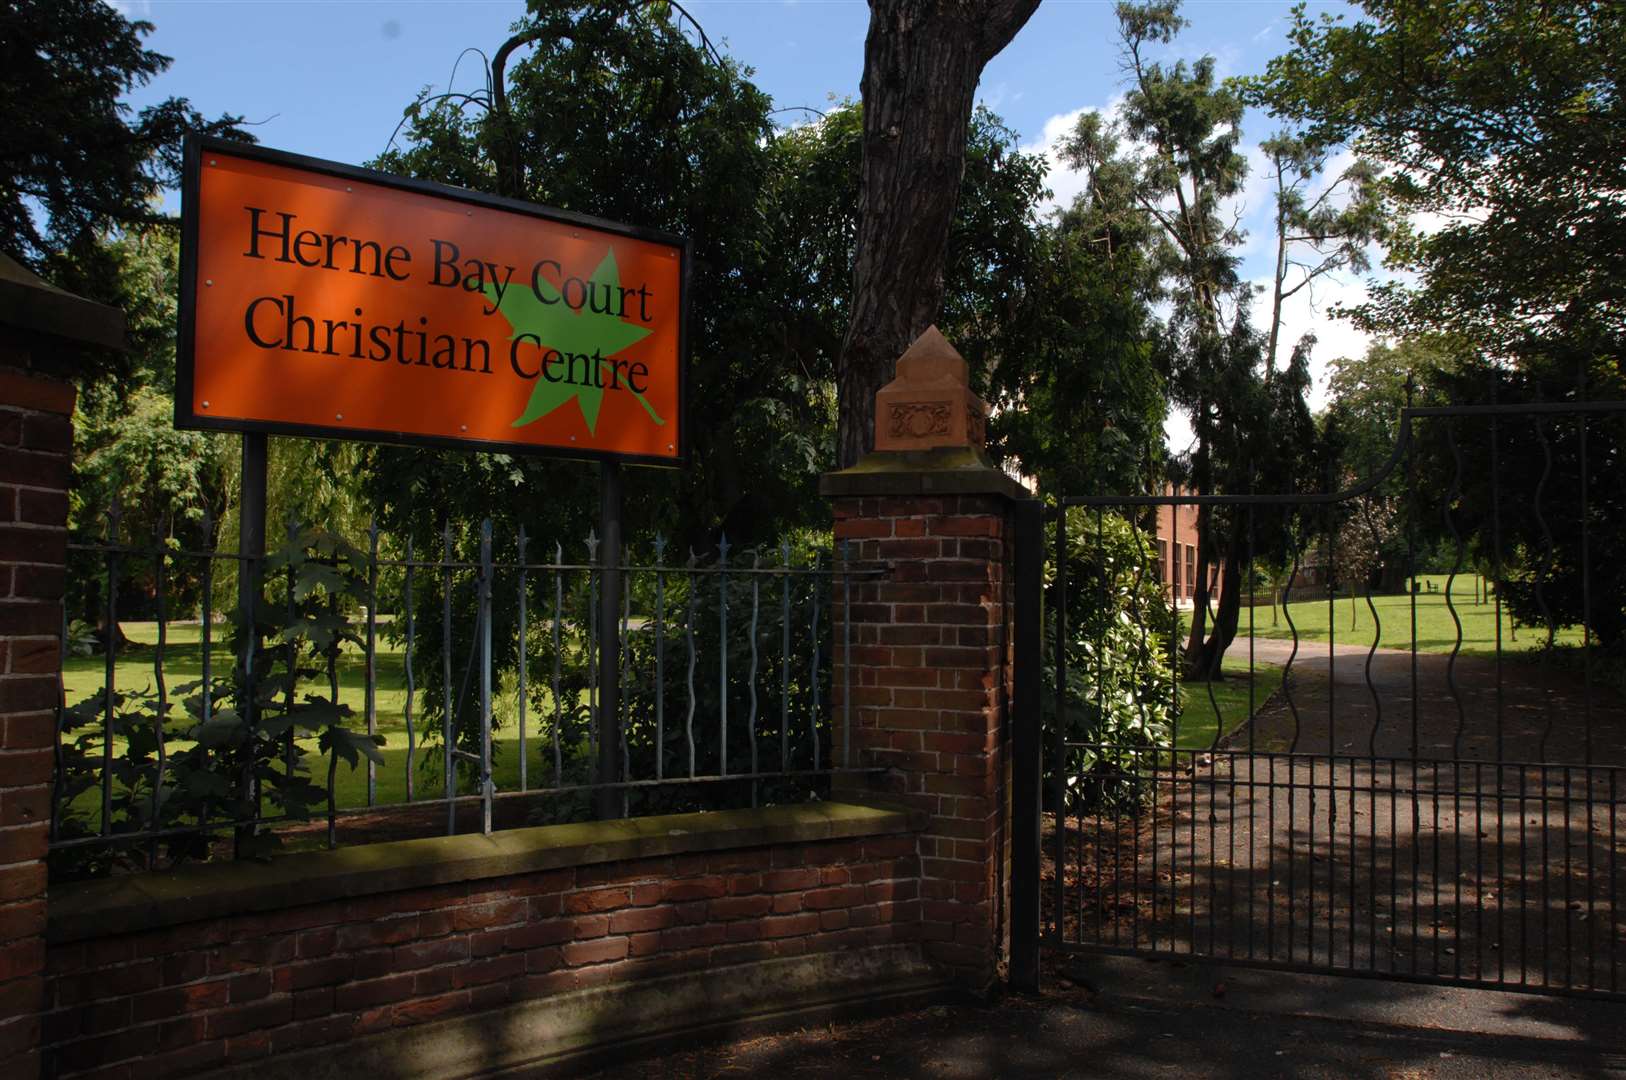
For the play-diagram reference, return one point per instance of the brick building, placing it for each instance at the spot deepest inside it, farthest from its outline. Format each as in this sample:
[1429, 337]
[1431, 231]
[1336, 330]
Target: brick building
[1177, 540]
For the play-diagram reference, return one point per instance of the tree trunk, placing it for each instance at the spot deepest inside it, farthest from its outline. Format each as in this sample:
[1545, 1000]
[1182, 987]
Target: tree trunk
[1199, 585]
[1202, 476]
[1205, 657]
[922, 61]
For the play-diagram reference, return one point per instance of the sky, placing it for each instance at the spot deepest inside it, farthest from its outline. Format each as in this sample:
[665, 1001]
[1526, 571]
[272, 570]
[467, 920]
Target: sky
[330, 78]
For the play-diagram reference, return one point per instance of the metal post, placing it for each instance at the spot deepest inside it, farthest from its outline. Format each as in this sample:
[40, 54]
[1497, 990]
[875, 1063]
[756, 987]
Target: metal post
[487, 787]
[606, 800]
[371, 705]
[251, 552]
[1058, 790]
[1026, 804]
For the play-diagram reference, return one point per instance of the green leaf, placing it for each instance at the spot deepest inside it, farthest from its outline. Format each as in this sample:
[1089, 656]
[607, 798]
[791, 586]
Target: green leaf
[348, 743]
[206, 785]
[314, 575]
[583, 332]
[317, 712]
[224, 728]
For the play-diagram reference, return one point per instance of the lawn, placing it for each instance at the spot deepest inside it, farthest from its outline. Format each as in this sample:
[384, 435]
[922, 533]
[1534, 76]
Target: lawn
[134, 671]
[83, 676]
[1229, 707]
[1436, 632]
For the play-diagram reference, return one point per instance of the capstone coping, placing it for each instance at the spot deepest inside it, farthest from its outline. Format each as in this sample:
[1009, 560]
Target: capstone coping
[945, 470]
[199, 892]
[30, 304]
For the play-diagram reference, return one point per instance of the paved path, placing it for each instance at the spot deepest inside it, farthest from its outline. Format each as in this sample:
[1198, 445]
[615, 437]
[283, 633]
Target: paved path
[1130, 1019]
[1467, 708]
[1355, 825]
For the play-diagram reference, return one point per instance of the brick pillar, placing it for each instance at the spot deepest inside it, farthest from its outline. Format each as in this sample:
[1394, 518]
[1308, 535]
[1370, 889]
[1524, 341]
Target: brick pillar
[930, 663]
[42, 331]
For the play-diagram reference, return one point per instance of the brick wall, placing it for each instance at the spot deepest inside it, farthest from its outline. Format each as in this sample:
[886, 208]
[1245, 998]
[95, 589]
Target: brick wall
[36, 440]
[202, 995]
[929, 684]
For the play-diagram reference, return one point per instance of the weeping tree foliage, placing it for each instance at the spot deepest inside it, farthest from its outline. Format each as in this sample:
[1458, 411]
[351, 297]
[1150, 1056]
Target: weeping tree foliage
[623, 110]
[1081, 377]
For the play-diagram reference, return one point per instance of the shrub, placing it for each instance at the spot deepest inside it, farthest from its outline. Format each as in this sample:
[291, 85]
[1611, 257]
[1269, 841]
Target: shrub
[1118, 694]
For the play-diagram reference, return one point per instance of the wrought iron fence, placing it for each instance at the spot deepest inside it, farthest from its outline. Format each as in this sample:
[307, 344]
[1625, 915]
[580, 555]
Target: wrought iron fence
[1395, 806]
[721, 690]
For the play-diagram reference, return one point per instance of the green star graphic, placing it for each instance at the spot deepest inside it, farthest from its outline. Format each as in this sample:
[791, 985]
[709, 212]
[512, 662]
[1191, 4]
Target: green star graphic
[559, 327]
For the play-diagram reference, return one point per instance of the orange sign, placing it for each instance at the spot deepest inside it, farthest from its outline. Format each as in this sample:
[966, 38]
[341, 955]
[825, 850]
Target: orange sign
[324, 300]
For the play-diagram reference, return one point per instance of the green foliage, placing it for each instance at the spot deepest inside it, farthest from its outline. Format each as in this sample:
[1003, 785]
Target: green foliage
[1120, 687]
[1548, 510]
[229, 746]
[665, 703]
[134, 457]
[1514, 503]
[1365, 394]
[136, 478]
[1080, 378]
[74, 162]
[1499, 125]
[127, 449]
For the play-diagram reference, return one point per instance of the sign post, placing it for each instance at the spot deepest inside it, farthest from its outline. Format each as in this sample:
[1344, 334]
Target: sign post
[250, 559]
[609, 802]
[327, 301]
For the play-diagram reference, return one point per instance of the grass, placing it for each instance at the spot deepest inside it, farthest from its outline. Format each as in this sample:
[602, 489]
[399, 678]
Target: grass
[1198, 720]
[183, 662]
[133, 670]
[1436, 632]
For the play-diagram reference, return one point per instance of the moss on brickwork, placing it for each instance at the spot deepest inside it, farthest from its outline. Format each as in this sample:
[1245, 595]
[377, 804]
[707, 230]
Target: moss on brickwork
[948, 470]
[218, 890]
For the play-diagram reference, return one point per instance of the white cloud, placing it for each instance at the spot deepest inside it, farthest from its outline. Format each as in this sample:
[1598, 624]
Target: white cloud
[132, 9]
[1252, 207]
[996, 95]
[1310, 312]
[1065, 183]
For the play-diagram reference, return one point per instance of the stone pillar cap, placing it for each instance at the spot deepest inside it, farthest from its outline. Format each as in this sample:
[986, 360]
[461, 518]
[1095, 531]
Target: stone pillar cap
[32, 305]
[931, 360]
[929, 404]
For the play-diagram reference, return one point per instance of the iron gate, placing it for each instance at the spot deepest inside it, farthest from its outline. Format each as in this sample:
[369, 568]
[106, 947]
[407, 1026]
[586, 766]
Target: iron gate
[1434, 798]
